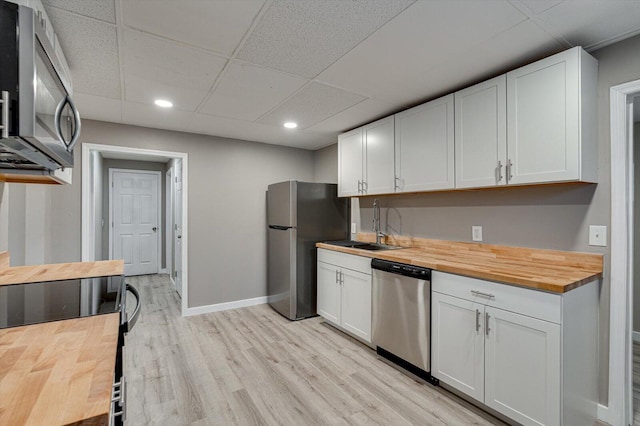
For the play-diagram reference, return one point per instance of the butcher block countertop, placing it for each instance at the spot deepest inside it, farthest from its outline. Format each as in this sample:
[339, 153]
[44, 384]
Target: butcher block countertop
[56, 271]
[550, 270]
[58, 373]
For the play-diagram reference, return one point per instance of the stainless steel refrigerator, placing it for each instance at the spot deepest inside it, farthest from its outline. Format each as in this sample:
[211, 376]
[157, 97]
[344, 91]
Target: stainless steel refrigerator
[300, 214]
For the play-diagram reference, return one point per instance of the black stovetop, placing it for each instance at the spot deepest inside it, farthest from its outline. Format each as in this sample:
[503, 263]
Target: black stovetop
[32, 303]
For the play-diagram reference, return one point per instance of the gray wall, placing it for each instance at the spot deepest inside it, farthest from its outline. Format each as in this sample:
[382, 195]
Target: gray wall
[553, 217]
[110, 163]
[227, 183]
[325, 164]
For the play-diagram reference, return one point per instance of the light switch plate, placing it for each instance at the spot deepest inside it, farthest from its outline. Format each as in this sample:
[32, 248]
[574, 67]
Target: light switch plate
[476, 233]
[598, 235]
[353, 227]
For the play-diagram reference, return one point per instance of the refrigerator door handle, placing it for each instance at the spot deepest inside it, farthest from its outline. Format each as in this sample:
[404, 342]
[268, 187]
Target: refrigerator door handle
[280, 228]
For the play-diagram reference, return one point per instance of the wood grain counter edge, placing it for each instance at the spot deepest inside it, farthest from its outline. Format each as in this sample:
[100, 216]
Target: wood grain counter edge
[59, 271]
[547, 270]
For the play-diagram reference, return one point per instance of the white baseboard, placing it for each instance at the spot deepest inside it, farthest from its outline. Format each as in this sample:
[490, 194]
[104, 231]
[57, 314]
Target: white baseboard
[163, 271]
[603, 413]
[636, 336]
[198, 310]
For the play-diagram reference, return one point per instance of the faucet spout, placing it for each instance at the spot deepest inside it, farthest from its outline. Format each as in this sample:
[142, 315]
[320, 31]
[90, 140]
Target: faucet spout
[376, 222]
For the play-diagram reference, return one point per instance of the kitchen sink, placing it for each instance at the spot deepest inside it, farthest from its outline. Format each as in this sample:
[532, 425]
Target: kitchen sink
[362, 246]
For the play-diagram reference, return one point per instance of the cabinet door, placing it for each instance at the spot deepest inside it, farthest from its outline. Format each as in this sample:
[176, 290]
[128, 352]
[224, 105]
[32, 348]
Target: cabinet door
[328, 302]
[424, 146]
[356, 303]
[481, 134]
[379, 170]
[350, 163]
[457, 344]
[543, 120]
[522, 368]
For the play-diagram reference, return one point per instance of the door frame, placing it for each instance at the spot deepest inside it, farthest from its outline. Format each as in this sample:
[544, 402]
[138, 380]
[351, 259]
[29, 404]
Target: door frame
[123, 152]
[110, 226]
[620, 403]
[168, 236]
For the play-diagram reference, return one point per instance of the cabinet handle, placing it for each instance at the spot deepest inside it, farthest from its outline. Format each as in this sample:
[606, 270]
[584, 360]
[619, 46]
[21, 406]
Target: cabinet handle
[365, 187]
[509, 170]
[500, 171]
[486, 323]
[481, 294]
[337, 272]
[477, 320]
[396, 183]
[4, 121]
[359, 186]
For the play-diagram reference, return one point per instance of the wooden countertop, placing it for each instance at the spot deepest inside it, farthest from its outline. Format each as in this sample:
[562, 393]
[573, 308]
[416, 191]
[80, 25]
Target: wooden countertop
[57, 271]
[550, 270]
[59, 372]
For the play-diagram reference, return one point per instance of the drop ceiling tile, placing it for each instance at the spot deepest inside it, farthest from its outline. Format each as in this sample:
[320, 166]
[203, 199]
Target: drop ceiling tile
[104, 10]
[305, 37]
[155, 117]
[313, 104]
[246, 91]
[391, 64]
[213, 25]
[593, 23]
[516, 47]
[538, 6]
[98, 107]
[236, 129]
[91, 49]
[157, 68]
[365, 112]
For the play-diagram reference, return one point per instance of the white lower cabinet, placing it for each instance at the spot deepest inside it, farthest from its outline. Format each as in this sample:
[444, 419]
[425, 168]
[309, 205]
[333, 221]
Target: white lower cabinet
[344, 292]
[527, 354]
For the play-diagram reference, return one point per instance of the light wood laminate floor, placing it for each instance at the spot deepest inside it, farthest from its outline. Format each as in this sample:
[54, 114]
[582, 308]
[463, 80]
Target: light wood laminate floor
[251, 366]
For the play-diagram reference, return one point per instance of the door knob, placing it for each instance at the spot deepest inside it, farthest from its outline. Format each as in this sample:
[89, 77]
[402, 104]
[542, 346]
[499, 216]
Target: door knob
[155, 228]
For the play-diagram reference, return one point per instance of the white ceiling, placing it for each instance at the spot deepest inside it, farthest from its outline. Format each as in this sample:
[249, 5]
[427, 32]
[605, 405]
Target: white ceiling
[240, 68]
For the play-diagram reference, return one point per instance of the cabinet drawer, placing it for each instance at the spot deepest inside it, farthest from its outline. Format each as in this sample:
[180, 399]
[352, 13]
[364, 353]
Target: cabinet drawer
[533, 303]
[347, 261]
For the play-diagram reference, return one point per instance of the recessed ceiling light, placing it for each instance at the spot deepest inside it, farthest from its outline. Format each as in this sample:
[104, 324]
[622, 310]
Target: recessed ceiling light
[290, 125]
[163, 103]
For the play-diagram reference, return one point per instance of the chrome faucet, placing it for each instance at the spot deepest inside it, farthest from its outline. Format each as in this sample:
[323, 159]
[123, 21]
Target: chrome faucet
[376, 221]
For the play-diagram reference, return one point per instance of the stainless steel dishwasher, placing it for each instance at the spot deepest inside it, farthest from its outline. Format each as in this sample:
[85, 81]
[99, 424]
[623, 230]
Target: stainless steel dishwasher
[401, 315]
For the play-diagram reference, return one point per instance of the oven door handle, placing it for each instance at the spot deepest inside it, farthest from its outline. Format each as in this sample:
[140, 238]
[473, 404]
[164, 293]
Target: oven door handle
[136, 312]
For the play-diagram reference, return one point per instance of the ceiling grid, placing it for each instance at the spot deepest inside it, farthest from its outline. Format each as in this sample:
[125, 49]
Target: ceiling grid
[239, 68]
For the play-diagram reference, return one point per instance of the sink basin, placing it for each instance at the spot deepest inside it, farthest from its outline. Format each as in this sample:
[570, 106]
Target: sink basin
[362, 246]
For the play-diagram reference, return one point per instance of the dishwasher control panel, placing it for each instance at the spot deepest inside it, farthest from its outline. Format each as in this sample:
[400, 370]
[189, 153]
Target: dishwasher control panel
[401, 269]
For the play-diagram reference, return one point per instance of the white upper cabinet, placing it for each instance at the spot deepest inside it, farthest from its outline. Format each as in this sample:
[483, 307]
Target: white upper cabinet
[365, 159]
[481, 134]
[350, 163]
[551, 120]
[378, 174]
[424, 146]
[536, 124]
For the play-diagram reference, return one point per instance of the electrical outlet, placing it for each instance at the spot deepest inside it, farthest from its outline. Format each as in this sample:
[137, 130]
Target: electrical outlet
[476, 233]
[354, 228]
[598, 235]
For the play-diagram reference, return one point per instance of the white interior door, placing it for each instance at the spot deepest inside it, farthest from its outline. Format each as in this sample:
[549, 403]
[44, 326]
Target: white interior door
[177, 246]
[135, 219]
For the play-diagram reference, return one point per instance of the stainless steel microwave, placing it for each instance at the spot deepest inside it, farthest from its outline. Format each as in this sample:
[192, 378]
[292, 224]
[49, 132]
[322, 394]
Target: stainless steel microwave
[39, 122]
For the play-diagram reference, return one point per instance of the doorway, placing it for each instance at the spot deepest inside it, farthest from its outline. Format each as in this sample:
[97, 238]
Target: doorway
[94, 159]
[620, 407]
[135, 218]
[635, 355]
